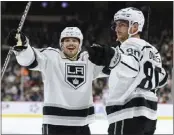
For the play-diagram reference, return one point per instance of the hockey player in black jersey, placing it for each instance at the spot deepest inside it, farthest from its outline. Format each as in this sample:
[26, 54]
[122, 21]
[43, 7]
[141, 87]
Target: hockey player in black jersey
[67, 76]
[136, 74]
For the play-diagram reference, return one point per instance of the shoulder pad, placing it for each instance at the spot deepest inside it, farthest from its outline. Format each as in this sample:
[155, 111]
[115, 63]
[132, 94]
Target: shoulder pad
[49, 49]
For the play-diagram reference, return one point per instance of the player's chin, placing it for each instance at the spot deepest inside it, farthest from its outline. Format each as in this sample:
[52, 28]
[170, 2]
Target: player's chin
[71, 51]
[119, 38]
[72, 54]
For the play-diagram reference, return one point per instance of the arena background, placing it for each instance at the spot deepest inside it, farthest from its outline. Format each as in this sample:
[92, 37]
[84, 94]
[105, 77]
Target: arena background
[43, 25]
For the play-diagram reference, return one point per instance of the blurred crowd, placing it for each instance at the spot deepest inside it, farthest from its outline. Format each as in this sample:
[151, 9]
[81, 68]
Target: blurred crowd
[20, 84]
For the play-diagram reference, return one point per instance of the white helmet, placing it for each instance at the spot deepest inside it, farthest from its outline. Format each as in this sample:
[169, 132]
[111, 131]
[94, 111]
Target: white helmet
[133, 15]
[72, 32]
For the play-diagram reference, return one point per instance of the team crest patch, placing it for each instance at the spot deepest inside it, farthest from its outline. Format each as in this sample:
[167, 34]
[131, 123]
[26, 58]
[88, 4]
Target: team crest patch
[75, 74]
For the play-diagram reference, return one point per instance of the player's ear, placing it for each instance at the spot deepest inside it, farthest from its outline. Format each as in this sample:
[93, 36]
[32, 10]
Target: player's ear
[135, 27]
[61, 46]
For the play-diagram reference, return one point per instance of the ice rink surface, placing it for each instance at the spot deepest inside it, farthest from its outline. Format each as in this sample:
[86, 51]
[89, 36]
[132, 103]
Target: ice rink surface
[33, 126]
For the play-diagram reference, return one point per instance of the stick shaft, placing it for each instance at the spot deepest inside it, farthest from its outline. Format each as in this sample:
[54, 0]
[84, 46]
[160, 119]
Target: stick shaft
[6, 63]
[148, 22]
[24, 16]
[18, 29]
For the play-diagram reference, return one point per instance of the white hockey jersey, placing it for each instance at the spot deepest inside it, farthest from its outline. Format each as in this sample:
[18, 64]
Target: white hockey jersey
[68, 96]
[134, 80]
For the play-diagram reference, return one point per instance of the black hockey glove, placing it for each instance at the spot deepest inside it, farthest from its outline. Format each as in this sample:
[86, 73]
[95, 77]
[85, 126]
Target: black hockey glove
[100, 55]
[17, 40]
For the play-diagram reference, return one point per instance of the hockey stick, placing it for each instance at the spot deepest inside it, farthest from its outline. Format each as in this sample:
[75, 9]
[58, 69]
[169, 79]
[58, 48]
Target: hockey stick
[18, 29]
[148, 21]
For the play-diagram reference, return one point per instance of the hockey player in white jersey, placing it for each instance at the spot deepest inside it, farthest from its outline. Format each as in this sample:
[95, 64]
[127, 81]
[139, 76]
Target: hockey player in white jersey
[136, 74]
[67, 76]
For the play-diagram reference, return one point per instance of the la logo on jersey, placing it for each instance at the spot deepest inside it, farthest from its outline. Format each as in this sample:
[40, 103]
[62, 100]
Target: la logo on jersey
[75, 74]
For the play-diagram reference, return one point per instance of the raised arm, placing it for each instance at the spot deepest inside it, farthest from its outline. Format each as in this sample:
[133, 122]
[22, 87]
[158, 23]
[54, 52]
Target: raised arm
[26, 55]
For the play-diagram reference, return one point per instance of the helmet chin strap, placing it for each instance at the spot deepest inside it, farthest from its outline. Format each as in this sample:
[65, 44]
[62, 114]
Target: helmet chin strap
[130, 35]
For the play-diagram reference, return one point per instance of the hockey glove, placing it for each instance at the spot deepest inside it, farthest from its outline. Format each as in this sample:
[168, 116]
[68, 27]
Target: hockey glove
[17, 40]
[100, 55]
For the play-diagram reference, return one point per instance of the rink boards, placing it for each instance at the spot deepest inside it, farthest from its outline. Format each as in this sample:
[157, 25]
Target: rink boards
[34, 110]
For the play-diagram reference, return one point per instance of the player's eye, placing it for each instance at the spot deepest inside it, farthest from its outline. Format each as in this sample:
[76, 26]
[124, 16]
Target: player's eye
[66, 40]
[75, 40]
[121, 25]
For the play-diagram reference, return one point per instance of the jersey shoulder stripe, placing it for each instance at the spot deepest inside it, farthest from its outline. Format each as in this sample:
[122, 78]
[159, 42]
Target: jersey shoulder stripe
[129, 66]
[49, 49]
[145, 47]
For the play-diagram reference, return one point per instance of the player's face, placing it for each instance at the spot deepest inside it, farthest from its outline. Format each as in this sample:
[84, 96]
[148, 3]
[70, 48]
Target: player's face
[121, 30]
[70, 46]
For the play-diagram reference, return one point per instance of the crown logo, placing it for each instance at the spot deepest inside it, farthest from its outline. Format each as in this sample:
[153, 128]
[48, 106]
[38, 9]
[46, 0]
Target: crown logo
[75, 81]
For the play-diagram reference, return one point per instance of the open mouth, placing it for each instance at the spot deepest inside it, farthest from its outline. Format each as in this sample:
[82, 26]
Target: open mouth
[71, 48]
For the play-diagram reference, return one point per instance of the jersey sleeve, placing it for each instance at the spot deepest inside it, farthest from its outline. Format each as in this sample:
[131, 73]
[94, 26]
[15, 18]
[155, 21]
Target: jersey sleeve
[32, 58]
[152, 68]
[128, 63]
[163, 75]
